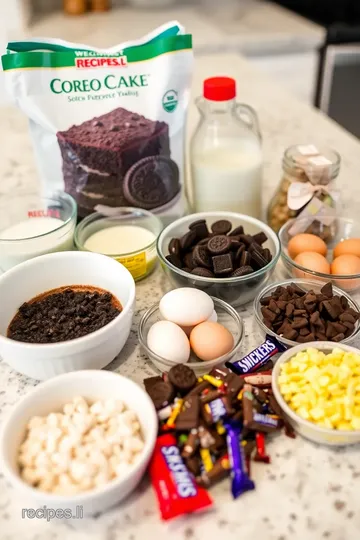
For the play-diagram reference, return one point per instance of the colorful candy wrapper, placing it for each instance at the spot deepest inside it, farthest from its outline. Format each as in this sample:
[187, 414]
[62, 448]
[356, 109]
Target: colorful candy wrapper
[258, 357]
[174, 485]
[261, 454]
[240, 481]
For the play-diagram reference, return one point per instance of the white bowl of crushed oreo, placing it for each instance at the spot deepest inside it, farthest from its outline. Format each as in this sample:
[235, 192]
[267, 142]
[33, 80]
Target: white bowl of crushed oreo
[65, 312]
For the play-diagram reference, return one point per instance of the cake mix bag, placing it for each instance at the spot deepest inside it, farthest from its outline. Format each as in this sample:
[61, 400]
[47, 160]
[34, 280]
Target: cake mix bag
[107, 124]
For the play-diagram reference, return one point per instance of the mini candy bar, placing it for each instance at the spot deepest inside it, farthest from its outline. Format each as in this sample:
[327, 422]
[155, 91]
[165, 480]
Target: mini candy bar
[221, 253]
[257, 357]
[174, 485]
[216, 409]
[260, 454]
[215, 430]
[188, 417]
[240, 481]
[191, 444]
[219, 471]
[162, 393]
[304, 316]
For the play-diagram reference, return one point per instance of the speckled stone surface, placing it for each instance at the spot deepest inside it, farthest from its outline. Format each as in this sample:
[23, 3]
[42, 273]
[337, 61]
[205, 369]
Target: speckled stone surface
[308, 492]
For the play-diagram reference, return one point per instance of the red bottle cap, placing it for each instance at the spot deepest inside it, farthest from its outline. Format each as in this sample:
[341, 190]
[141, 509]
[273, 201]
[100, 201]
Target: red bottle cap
[219, 88]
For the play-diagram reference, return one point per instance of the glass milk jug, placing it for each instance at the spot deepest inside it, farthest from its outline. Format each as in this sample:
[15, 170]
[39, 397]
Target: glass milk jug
[225, 152]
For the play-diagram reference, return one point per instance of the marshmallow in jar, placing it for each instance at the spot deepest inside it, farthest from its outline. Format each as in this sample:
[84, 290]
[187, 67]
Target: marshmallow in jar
[31, 225]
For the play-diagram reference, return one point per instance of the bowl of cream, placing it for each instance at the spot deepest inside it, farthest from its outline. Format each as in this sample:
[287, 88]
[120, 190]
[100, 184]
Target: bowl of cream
[126, 234]
[32, 225]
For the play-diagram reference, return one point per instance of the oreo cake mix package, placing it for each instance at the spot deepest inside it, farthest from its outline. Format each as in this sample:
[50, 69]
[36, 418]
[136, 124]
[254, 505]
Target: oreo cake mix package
[107, 124]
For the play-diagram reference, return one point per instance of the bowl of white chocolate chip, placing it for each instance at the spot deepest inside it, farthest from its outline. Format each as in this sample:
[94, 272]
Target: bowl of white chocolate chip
[80, 440]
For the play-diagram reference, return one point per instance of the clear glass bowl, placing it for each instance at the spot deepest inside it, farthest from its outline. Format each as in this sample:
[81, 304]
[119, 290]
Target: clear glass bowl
[234, 290]
[141, 262]
[306, 285]
[227, 316]
[32, 225]
[341, 229]
[309, 430]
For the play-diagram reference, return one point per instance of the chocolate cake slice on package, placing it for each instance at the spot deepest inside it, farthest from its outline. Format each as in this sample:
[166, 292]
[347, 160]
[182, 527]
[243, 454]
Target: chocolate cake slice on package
[108, 124]
[98, 153]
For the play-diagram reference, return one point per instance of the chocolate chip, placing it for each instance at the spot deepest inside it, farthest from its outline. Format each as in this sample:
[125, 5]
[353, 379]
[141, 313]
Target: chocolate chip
[289, 310]
[331, 309]
[273, 307]
[291, 334]
[338, 337]
[327, 290]
[260, 238]
[347, 317]
[219, 244]
[115, 128]
[223, 226]
[203, 272]
[299, 322]
[97, 123]
[222, 264]
[267, 314]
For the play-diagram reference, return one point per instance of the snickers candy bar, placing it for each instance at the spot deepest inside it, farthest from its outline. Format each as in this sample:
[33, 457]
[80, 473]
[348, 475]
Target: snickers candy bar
[258, 357]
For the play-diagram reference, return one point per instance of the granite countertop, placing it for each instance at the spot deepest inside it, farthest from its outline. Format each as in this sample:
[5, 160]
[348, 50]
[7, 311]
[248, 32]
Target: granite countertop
[248, 26]
[308, 492]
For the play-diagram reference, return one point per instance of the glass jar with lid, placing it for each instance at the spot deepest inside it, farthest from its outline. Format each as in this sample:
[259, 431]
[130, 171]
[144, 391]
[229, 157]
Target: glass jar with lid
[308, 177]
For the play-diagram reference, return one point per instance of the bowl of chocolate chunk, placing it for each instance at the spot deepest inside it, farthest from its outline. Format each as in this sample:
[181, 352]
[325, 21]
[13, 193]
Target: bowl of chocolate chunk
[64, 312]
[303, 311]
[230, 256]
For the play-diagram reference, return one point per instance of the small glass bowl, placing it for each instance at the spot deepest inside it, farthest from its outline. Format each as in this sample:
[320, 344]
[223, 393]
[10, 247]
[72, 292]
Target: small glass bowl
[305, 428]
[306, 285]
[32, 208]
[234, 290]
[140, 263]
[340, 229]
[227, 316]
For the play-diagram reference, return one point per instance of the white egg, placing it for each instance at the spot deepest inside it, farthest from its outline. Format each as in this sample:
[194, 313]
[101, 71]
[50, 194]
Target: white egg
[213, 317]
[186, 306]
[167, 340]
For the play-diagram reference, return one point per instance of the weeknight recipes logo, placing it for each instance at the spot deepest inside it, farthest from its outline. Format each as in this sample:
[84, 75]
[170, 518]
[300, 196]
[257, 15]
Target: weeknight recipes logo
[94, 60]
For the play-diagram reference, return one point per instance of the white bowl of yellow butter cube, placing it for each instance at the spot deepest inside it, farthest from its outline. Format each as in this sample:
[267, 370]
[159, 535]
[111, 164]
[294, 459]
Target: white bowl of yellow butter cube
[317, 385]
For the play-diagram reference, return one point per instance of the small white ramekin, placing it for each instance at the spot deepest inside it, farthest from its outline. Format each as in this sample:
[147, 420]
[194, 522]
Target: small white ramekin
[51, 396]
[329, 437]
[36, 276]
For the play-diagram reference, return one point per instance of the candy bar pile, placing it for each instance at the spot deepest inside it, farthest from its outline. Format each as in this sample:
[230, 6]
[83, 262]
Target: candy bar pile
[209, 428]
[222, 253]
[305, 316]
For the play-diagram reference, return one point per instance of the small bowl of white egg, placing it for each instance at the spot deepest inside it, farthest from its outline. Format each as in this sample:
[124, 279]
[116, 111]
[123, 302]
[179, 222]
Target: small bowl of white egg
[79, 440]
[189, 326]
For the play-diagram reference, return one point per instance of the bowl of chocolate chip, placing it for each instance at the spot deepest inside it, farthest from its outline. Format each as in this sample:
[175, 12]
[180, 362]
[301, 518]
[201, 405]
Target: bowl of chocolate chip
[302, 311]
[230, 256]
[64, 312]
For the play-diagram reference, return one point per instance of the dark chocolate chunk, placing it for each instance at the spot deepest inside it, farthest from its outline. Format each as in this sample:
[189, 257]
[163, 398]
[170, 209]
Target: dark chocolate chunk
[201, 256]
[200, 228]
[246, 239]
[238, 230]
[291, 334]
[267, 254]
[267, 314]
[299, 322]
[235, 244]
[290, 308]
[219, 244]
[245, 259]
[222, 264]
[203, 272]
[239, 252]
[260, 238]
[223, 226]
[242, 271]
[331, 309]
[188, 240]
[327, 290]
[338, 337]
[273, 307]
[174, 259]
[182, 378]
[347, 317]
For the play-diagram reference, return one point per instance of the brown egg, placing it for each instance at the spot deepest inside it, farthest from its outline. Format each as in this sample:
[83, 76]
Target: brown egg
[209, 340]
[313, 261]
[306, 242]
[346, 265]
[347, 247]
